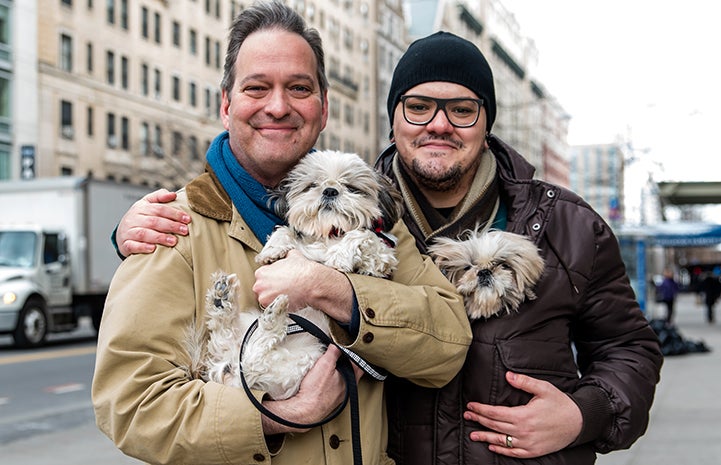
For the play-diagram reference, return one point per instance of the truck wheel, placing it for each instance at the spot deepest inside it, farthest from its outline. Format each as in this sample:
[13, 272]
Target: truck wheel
[32, 324]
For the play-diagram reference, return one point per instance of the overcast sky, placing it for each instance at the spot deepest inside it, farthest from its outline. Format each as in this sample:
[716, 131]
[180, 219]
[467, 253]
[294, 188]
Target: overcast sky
[647, 71]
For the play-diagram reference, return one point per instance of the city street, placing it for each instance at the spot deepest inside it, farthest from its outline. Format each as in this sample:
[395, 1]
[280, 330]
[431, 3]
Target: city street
[684, 421]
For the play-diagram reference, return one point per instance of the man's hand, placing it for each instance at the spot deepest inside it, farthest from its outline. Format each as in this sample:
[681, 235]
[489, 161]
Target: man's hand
[548, 423]
[148, 222]
[321, 391]
[305, 282]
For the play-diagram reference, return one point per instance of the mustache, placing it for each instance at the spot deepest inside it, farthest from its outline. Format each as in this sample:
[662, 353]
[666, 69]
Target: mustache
[456, 143]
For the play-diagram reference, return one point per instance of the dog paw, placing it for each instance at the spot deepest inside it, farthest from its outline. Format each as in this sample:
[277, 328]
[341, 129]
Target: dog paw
[221, 292]
[274, 315]
[270, 254]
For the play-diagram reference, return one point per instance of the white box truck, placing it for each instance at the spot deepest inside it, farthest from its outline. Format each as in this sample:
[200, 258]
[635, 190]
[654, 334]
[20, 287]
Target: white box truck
[56, 259]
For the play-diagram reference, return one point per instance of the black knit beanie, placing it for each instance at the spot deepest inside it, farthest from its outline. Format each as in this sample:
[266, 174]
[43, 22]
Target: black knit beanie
[444, 57]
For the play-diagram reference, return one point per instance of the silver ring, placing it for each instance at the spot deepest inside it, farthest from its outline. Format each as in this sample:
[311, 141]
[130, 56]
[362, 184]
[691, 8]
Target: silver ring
[509, 441]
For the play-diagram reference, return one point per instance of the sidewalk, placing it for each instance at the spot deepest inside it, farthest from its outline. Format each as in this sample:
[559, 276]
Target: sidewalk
[684, 429]
[686, 415]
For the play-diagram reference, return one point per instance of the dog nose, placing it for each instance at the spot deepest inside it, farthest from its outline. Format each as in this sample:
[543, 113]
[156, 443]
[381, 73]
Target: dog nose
[484, 277]
[330, 192]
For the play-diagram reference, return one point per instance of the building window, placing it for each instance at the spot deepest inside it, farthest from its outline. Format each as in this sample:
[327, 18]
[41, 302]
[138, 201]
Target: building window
[90, 122]
[158, 141]
[176, 88]
[158, 86]
[124, 133]
[110, 11]
[144, 80]
[193, 42]
[156, 30]
[144, 134]
[66, 53]
[192, 97]
[89, 62]
[5, 168]
[112, 138]
[66, 120]
[110, 67]
[124, 72]
[207, 50]
[67, 2]
[176, 34]
[218, 55]
[218, 101]
[193, 148]
[177, 143]
[144, 22]
[207, 98]
[235, 9]
[124, 14]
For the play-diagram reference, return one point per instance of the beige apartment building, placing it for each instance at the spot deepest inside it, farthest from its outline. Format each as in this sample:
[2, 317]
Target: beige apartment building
[128, 90]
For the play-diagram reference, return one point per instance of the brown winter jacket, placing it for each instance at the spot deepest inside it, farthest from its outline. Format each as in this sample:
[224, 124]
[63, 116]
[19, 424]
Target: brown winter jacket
[584, 298]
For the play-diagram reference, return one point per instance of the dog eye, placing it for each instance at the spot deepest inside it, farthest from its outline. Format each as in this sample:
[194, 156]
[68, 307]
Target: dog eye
[354, 190]
[310, 186]
[467, 267]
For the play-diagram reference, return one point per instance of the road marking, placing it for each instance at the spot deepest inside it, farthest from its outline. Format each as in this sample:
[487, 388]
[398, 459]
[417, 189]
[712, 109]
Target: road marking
[65, 388]
[31, 357]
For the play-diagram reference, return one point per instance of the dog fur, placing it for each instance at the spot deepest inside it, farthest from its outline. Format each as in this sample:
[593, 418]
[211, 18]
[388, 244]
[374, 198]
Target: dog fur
[494, 271]
[339, 211]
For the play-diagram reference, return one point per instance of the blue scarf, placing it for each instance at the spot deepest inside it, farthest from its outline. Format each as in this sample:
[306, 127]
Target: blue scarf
[248, 195]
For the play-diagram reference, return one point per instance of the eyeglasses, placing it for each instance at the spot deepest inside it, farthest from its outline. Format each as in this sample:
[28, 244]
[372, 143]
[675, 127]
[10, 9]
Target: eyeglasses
[460, 112]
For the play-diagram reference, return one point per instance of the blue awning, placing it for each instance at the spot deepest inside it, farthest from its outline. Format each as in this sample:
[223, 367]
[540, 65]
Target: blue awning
[682, 234]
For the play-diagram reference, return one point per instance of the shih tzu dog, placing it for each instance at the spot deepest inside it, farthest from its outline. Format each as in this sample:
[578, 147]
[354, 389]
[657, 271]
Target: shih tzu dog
[494, 271]
[339, 212]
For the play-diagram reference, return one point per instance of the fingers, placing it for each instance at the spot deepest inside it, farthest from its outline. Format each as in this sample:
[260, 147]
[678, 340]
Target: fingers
[160, 196]
[162, 218]
[128, 248]
[526, 383]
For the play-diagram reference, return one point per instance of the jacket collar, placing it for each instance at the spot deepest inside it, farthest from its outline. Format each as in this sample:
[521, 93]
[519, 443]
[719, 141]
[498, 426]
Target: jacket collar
[207, 197]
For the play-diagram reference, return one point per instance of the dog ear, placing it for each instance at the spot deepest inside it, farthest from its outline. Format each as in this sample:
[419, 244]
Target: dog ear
[390, 201]
[278, 199]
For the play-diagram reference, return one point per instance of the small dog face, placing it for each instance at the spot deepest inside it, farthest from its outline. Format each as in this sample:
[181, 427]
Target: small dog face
[339, 210]
[493, 271]
[331, 192]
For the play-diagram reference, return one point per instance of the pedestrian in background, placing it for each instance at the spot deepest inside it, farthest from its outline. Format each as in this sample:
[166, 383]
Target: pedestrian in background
[667, 292]
[711, 289]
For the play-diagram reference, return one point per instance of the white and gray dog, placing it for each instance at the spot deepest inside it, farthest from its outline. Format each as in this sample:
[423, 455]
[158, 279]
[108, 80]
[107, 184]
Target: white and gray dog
[339, 211]
[494, 271]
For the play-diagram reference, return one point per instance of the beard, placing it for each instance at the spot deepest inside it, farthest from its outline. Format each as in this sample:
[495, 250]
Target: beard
[434, 179]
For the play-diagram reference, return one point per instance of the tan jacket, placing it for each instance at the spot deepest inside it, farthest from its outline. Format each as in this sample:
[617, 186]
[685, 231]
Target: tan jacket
[146, 403]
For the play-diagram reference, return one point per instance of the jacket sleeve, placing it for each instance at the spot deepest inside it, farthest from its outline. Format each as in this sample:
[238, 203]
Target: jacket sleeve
[413, 325]
[618, 353]
[144, 399]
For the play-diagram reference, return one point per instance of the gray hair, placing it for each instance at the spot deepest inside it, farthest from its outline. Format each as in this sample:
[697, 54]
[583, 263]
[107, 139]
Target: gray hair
[270, 15]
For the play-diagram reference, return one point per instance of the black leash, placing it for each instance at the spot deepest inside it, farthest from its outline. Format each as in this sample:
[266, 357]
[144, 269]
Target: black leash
[343, 366]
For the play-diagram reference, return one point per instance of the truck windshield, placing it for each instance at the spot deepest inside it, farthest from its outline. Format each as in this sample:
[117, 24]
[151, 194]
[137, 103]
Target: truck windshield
[17, 248]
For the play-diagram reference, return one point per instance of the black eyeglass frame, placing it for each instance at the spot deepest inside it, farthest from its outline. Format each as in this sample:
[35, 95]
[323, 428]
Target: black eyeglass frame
[441, 105]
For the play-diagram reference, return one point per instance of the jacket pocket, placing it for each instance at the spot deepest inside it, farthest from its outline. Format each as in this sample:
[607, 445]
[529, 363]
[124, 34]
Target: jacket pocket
[538, 358]
[550, 361]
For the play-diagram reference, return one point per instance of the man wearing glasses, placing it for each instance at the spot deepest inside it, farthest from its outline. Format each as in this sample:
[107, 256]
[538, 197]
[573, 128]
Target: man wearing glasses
[521, 393]
[571, 373]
